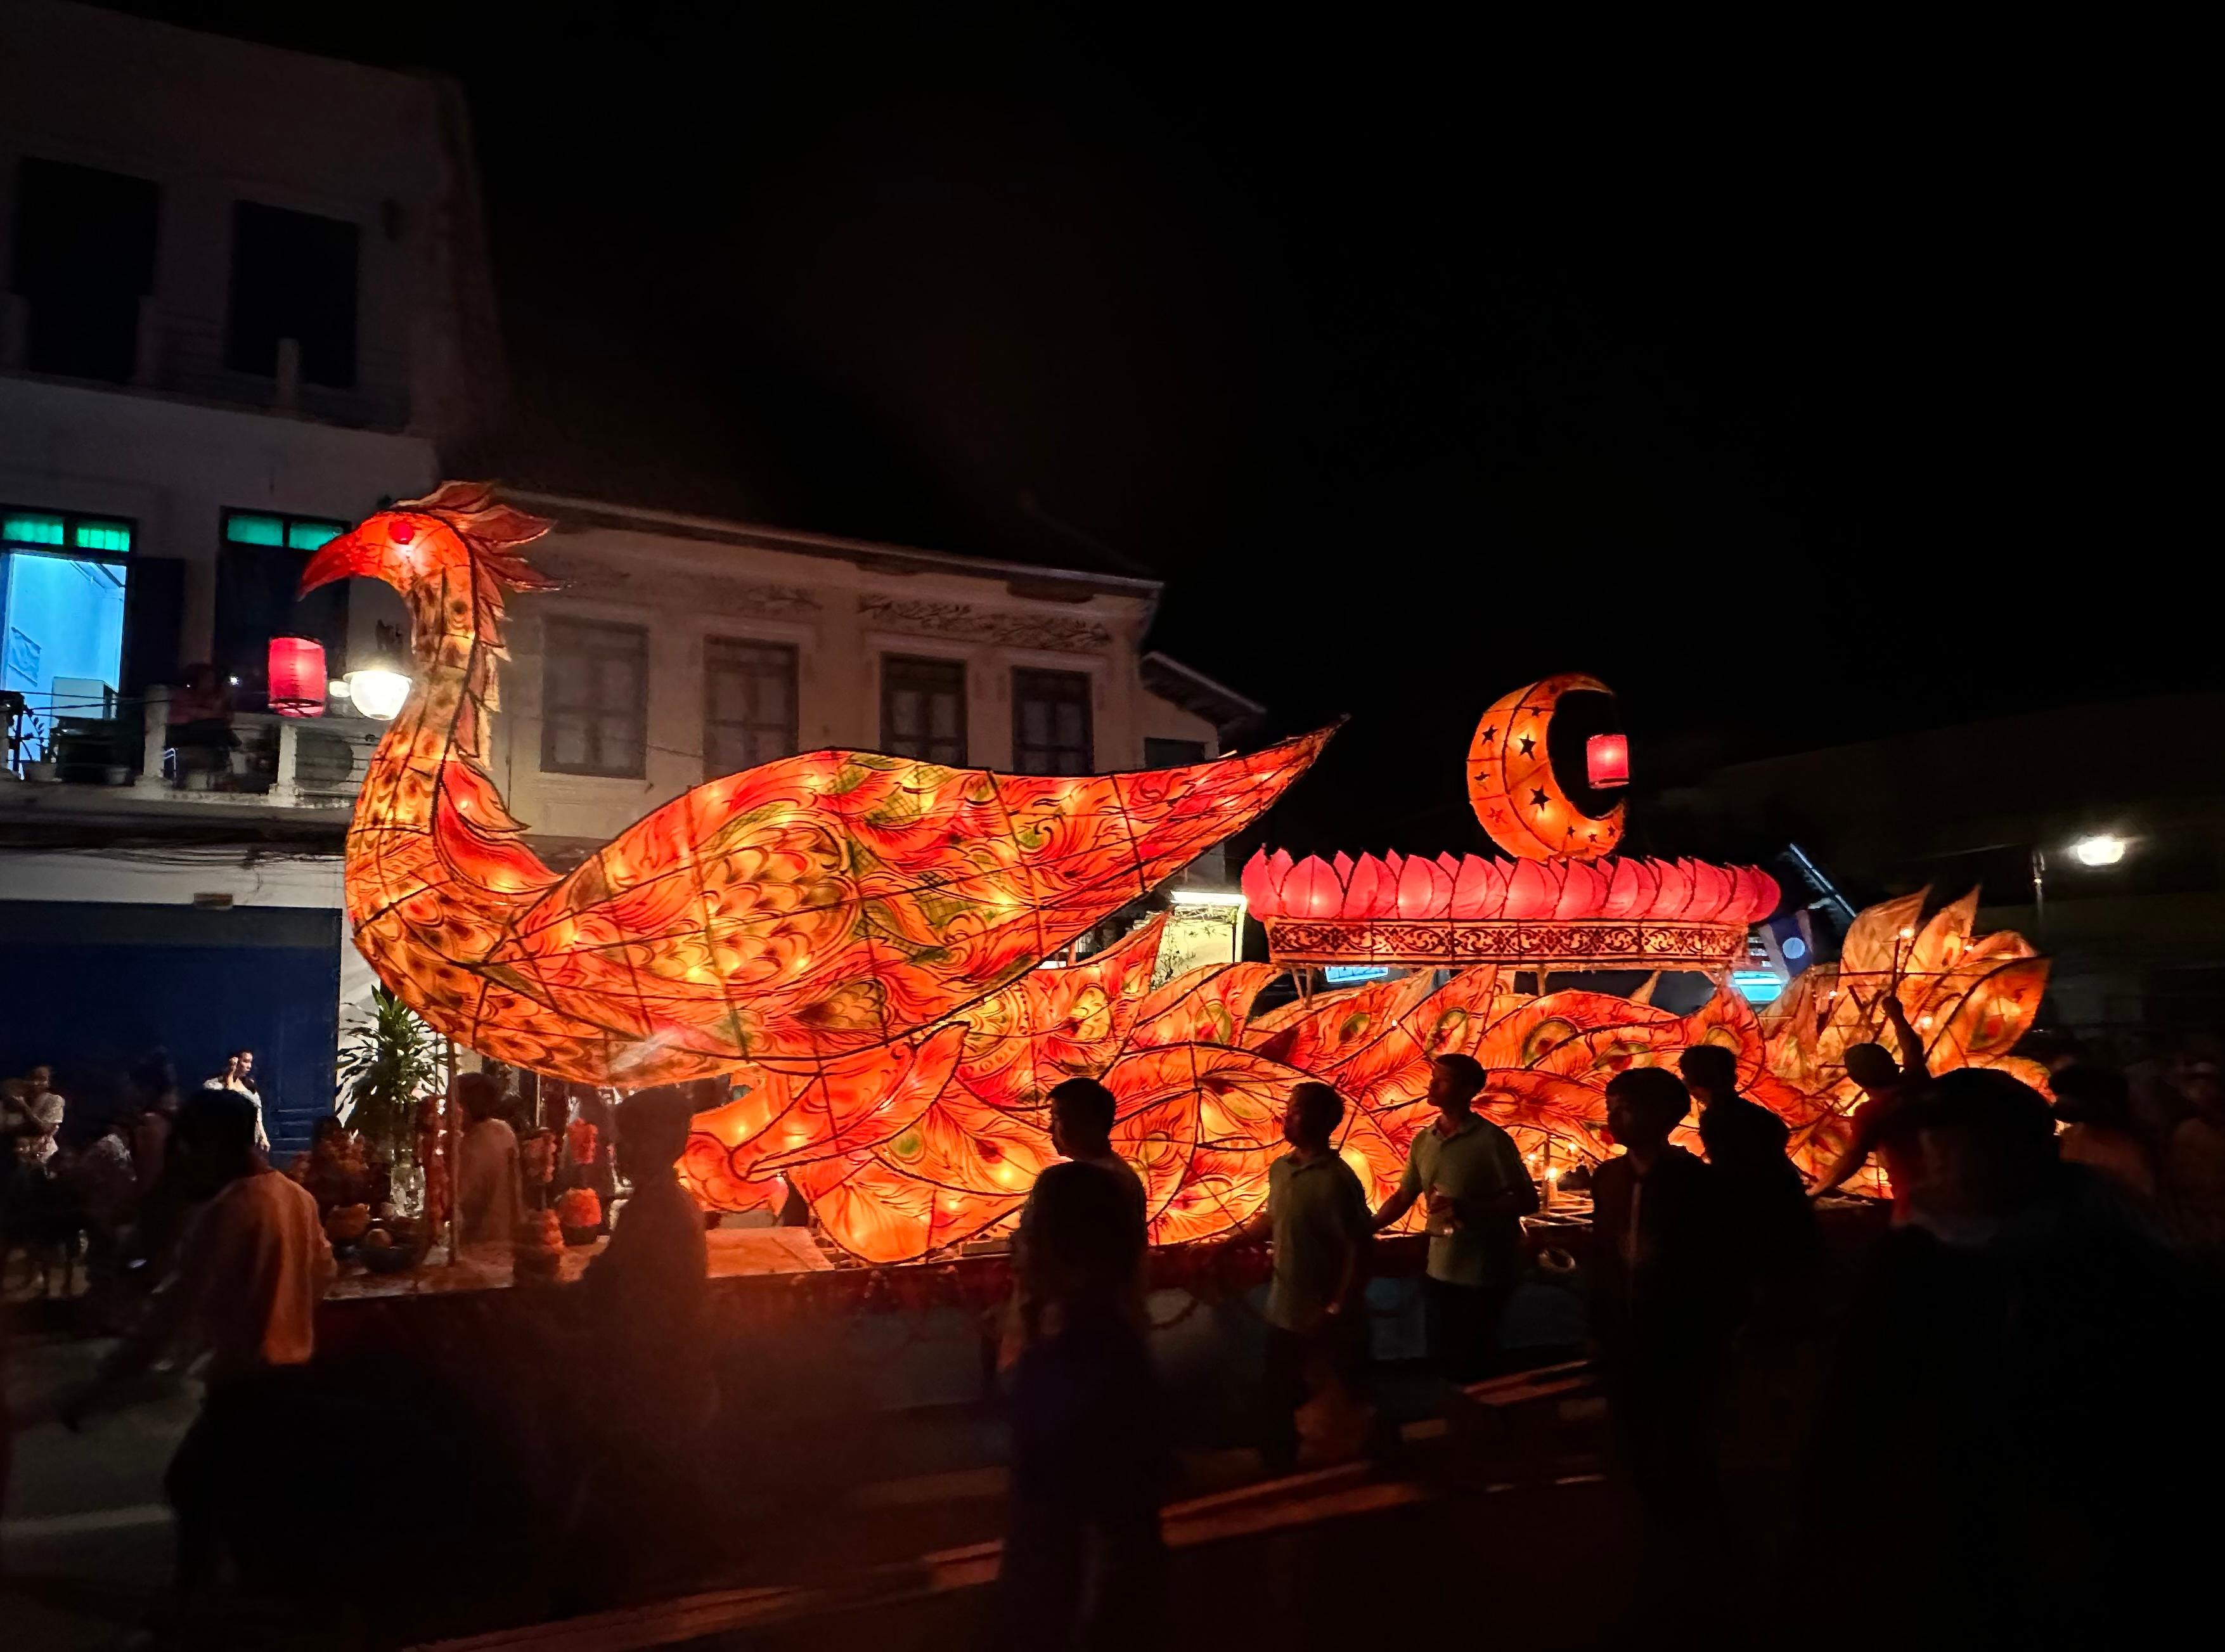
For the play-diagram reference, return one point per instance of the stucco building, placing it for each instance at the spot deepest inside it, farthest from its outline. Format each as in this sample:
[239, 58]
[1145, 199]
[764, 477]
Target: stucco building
[247, 304]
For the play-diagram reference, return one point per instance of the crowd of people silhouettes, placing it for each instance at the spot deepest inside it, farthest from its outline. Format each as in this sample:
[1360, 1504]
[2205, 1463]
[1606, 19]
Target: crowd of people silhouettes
[2035, 1255]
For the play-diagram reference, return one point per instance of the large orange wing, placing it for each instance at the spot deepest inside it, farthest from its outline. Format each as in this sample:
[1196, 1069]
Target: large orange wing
[832, 902]
[1054, 1024]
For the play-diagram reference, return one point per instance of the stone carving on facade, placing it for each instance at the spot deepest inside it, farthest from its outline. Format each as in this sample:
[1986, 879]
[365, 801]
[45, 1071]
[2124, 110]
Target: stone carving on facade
[706, 594]
[926, 618]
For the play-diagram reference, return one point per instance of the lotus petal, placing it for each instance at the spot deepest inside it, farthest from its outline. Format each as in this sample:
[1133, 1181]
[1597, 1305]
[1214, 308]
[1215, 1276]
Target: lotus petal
[1424, 890]
[1481, 889]
[1314, 890]
[1711, 889]
[1584, 890]
[1533, 887]
[1630, 892]
[1372, 891]
[1258, 891]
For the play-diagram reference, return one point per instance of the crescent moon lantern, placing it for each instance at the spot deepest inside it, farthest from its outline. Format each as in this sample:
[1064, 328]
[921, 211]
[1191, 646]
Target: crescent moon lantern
[1511, 784]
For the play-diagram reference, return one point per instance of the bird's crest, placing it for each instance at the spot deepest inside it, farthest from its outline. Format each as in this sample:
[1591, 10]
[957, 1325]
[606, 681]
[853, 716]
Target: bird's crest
[494, 532]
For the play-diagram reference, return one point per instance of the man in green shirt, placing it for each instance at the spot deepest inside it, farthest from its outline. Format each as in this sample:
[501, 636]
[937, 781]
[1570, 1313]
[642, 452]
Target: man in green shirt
[1316, 1219]
[1478, 1191]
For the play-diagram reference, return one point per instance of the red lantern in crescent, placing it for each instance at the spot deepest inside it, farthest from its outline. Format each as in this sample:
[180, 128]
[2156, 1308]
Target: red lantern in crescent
[1511, 783]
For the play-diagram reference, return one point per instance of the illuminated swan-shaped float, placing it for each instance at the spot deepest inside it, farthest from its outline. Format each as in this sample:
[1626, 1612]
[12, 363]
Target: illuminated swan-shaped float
[855, 939]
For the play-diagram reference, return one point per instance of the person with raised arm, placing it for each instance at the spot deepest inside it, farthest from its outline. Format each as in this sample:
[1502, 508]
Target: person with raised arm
[1887, 1090]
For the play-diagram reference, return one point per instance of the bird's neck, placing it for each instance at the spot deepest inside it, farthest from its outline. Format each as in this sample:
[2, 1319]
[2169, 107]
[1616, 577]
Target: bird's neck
[455, 639]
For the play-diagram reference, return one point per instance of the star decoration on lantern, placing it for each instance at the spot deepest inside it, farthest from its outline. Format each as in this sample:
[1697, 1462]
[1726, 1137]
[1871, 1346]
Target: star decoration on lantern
[1540, 821]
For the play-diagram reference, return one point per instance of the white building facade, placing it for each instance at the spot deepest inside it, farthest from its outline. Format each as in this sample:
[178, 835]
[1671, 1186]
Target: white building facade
[681, 649]
[247, 305]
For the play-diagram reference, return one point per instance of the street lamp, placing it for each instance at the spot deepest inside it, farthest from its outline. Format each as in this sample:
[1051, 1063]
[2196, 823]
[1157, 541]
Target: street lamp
[2096, 849]
[2101, 848]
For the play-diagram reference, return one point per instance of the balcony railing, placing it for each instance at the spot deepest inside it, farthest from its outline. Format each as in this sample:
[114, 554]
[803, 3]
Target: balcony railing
[312, 762]
[289, 763]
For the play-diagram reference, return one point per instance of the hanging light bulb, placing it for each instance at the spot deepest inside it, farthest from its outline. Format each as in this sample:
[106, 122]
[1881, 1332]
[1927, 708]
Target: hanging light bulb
[377, 692]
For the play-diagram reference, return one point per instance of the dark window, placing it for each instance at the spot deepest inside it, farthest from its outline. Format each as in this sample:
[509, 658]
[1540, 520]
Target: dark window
[293, 276]
[1050, 723]
[1171, 754]
[595, 699]
[258, 581]
[923, 708]
[748, 703]
[62, 593]
[84, 256]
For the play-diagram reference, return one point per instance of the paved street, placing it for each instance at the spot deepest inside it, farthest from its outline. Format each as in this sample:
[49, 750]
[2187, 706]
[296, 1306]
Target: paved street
[902, 1560]
[85, 1537]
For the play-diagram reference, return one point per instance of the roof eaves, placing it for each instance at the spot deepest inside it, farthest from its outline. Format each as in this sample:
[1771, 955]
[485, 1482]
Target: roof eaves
[866, 554]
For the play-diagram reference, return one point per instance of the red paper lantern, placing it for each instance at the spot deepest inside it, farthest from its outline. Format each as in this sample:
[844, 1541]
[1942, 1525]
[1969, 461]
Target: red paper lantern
[1607, 760]
[297, 677]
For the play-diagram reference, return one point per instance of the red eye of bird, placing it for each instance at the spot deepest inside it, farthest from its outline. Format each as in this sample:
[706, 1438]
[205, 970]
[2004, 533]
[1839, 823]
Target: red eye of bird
[405, 532]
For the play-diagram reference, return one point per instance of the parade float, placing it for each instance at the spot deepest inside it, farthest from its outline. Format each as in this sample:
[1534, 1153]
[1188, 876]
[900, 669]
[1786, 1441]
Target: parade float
[856, 943]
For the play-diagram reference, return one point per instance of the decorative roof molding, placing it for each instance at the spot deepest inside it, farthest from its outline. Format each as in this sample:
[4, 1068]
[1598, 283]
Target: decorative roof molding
[706, 594]
[923, 618]
[1065, 585]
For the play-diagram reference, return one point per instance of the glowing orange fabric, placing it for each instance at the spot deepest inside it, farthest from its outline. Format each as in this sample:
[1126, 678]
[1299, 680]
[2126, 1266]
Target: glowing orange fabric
[853, 938]
[1200, 1081]
[1511, 782]
[799, 913]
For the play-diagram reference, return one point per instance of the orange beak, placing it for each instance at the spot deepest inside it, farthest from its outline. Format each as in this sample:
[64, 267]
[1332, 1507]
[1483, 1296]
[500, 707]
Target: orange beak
[354, 555]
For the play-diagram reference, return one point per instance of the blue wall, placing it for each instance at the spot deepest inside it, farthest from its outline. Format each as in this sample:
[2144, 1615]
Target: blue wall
[92, 987]
[69, 614]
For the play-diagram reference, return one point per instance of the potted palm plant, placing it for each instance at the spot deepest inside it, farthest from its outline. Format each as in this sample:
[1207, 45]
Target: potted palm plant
[386, 1074]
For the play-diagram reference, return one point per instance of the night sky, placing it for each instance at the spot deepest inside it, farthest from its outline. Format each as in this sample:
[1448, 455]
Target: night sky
[1800, 398]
